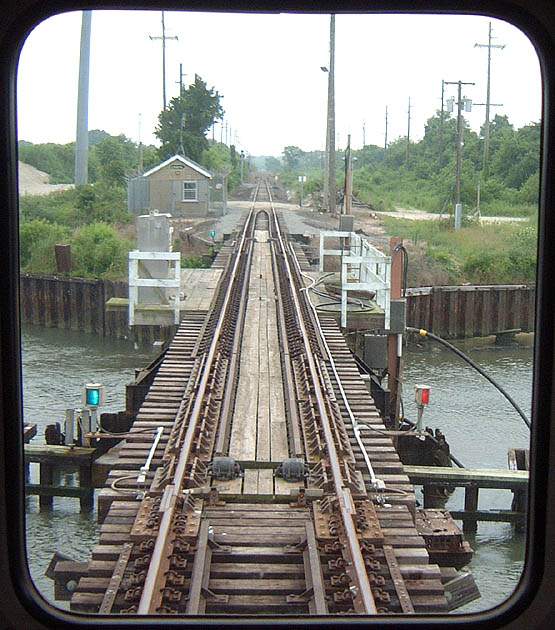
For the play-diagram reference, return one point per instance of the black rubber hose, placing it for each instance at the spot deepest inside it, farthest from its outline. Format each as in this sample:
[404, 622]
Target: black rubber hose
[464, 357]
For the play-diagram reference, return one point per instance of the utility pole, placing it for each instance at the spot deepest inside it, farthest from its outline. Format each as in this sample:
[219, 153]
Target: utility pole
[226, 131]
[385, 140]
[408, 134]
[82, 133]
[363, 134]
[467, 103]
[140, 148]
[348, 191]
[163, 37]
[181, 75]
[332, 186]
[489, 46]
[181, 126]
[440, 160]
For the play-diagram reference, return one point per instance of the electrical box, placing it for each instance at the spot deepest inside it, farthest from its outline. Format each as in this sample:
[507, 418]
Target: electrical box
[467, 104]
[398, 316]
[375, 351]
[346, 223]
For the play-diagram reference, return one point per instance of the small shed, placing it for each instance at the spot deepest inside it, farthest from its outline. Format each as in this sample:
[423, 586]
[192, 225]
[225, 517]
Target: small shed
[179, 186]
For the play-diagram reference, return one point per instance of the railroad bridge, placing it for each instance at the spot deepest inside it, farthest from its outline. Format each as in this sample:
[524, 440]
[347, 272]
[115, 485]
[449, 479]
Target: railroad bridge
[258, 476]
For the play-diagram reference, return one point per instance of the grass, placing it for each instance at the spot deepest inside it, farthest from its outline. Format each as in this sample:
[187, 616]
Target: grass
[475, 254]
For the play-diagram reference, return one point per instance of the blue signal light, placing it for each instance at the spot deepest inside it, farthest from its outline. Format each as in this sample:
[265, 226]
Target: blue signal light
[93, 397]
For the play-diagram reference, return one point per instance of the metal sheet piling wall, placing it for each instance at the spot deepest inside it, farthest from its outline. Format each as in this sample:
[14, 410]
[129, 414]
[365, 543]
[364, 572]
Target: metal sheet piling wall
[452, 312]
[79, 304]
[460, 312]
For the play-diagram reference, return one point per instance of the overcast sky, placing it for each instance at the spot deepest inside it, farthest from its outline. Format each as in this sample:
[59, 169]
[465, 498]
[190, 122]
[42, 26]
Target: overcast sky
[268, 69]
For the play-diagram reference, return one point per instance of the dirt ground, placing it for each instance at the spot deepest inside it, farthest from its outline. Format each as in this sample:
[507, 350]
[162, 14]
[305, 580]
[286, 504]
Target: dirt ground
[35, 182]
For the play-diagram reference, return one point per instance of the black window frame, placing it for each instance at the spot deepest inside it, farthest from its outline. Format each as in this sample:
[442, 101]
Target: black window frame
[533, 603]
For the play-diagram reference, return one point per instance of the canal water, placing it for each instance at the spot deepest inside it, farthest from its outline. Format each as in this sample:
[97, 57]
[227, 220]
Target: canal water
[479, 424]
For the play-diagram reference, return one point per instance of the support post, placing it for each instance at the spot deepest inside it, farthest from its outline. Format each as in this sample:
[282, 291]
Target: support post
[46, 478]
[470, 526]
[85, 481]
[394, 362]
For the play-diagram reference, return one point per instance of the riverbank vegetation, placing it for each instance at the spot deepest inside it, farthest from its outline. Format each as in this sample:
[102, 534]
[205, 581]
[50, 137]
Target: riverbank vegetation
[500, 253]
[421, 175]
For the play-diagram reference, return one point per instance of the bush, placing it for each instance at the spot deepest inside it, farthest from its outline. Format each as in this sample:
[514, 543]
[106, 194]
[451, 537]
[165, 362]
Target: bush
[36, 245]
[98, 251]
[482, 267]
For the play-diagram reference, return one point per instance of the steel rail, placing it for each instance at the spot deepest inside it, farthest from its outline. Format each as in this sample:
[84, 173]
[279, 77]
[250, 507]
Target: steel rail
[151, 596]
[362, 594]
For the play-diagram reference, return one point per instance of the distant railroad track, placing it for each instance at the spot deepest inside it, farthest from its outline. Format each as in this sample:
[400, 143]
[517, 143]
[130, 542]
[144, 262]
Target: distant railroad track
[262, 380]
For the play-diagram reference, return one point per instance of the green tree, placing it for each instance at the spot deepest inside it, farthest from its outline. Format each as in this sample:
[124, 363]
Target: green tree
[183, 125]
[292, 158]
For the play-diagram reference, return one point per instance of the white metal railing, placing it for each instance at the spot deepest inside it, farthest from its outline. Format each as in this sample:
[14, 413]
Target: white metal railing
[363, 268]
[136, 280]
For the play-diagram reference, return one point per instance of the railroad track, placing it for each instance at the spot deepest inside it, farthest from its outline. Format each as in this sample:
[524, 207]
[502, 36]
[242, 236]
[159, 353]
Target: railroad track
[258, 478]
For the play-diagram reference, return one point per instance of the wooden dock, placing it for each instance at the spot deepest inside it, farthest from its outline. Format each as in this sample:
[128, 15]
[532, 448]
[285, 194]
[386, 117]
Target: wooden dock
[472, 479]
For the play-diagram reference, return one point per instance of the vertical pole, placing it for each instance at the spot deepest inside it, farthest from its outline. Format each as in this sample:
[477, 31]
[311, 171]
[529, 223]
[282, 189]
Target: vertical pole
[332, 186]
[180, 80]
[85, 483]
[470, 505]
[441, 119]
[140, 148]
[385, 140]
[408, 135]
[393, 363]
[459, 145]
[363, 135]
[82, 137]
[163, 60]
[221, 132]
[348, 177]
[488, 92]
[46, 479]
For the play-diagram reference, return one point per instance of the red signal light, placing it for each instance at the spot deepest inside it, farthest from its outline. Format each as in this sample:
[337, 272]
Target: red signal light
[422, 395]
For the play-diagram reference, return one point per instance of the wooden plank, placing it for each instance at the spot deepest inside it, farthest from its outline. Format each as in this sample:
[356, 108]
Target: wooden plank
[265, 482]
[250, 484]
[482, 477]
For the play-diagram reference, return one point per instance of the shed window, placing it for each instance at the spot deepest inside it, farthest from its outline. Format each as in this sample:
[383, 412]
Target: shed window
[190, 191]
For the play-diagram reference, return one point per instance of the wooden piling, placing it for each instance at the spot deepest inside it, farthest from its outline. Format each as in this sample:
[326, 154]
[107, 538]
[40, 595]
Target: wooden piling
[470, 526]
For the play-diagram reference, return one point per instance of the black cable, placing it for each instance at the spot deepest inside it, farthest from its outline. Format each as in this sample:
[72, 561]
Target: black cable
[464, 357]
[401, 248]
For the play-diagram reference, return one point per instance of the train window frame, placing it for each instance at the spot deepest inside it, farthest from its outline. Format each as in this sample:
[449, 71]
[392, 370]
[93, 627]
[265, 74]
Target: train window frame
[22, 605]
